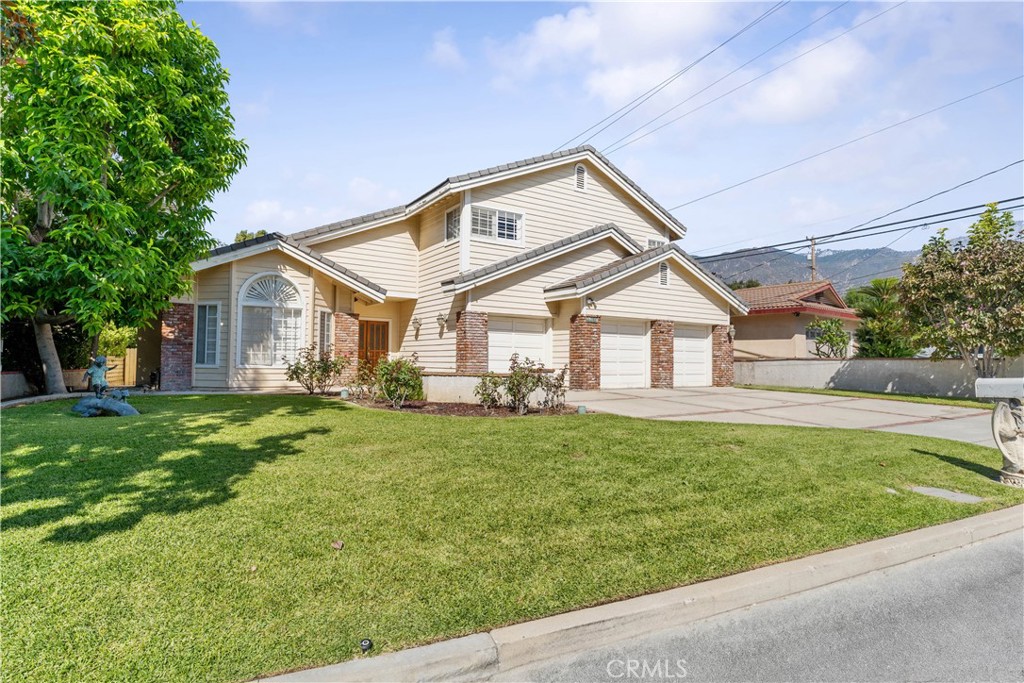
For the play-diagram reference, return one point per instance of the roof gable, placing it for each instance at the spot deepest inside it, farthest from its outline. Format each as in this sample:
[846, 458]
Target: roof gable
[466, 181]
[818, 296]
[276, 241]
[540, 254]
[616, 270]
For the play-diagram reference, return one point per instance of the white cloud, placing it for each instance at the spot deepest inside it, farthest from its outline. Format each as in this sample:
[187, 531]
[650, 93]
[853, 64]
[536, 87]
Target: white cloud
[359, 196]
[811, 86]
[444, 51]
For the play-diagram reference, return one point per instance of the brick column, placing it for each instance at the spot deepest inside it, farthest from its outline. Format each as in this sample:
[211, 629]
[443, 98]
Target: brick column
[346, 342]
[470, 343]
[721, 357]
[662, 354]
[177, 327]
[584, 351]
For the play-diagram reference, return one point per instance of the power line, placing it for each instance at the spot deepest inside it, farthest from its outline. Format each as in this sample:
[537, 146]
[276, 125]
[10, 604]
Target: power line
[643, 97]
[848, 142]
[857, 229]
[756, 78]
[902, 208]
[740, 67]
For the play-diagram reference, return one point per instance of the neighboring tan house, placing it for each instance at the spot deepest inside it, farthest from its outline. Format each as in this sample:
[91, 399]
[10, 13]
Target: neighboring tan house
[776, 324]
[560, 258]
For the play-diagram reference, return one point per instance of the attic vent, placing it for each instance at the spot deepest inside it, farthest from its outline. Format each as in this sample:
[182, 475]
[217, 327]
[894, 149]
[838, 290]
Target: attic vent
[581, 177]
[663, 275]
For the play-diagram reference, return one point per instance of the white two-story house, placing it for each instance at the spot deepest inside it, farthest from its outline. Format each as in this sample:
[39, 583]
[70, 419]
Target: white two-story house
[559, 258]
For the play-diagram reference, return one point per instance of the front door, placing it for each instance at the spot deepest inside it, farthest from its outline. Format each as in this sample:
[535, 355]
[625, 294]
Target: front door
[373, 341]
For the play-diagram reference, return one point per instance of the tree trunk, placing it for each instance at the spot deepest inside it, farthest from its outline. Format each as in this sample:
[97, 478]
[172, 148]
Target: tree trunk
[48, 355]
[95, 346]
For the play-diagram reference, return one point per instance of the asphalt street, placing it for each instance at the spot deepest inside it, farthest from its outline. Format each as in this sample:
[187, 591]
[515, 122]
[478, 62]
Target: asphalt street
[957, 616]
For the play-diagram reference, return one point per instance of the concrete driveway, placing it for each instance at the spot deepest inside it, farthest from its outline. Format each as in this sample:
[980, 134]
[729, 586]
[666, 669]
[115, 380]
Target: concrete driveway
[752, 406]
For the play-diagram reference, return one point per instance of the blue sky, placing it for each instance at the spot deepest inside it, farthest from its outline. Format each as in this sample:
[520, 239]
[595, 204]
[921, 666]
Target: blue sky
[353, 107]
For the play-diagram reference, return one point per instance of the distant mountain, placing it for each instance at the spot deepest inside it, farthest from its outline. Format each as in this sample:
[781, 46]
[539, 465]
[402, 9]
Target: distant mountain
[846, 268]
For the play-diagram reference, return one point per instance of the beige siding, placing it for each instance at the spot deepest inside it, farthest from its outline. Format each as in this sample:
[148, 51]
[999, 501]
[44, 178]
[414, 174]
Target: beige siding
[386, 255]
[303, 277]
[435, 348]
[642, 296]
[553, 209]
[776, 335]
[522, 293]
[560, 332]
[214, 286]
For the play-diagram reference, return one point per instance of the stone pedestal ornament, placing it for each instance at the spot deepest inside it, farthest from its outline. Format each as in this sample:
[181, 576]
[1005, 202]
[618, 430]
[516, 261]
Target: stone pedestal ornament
[1007, 424]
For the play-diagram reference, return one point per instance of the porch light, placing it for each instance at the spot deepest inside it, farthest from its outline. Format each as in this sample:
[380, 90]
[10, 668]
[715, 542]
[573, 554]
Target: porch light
[442, 319]
[591, 304]
[416, 324]
[732, 332]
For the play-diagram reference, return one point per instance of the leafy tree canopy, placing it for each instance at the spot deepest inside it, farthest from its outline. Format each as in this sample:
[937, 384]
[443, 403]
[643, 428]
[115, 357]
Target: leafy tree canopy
[881, 334]
[243, 235]
[116, 134]
[830, 339]
[967, 298]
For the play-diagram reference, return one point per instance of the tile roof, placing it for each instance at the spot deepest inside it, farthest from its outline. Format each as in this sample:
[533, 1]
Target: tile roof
[790, 295]
[284, 239]
[484, 173]
[537, 252]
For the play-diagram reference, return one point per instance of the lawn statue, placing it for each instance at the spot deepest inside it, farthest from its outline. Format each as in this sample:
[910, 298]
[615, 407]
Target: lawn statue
[105, 402]
[97, 375]
[1007, 424]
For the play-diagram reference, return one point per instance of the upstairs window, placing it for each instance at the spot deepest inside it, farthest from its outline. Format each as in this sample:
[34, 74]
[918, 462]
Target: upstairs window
[581, 177]
[663, 275]
[452, 221]
[654, 244]
[504, 226]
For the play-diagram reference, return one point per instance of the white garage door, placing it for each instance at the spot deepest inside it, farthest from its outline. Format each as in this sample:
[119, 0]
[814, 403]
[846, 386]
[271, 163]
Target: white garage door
[624, 354]
[525, 336]
[692, 357]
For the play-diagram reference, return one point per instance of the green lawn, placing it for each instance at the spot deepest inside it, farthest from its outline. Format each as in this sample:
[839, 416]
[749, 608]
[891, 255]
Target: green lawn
[194, 542]
[909, 398]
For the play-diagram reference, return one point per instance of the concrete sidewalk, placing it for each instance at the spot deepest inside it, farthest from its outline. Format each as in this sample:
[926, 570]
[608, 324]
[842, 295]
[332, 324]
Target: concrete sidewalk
[753, 406]
[485, 655]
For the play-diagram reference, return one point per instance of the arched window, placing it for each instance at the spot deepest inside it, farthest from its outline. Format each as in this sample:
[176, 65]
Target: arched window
[271, 321]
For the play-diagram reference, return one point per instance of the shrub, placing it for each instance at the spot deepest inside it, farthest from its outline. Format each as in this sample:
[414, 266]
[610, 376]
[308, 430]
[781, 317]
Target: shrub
[316, 372]
[488, 390]
[830, 339]
[554, 389]
[524, 378]
[115, 341]
[399, 380]
[365, 385]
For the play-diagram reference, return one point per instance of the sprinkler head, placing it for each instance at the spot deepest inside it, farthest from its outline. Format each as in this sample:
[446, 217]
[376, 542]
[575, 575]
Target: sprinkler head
[365, 645]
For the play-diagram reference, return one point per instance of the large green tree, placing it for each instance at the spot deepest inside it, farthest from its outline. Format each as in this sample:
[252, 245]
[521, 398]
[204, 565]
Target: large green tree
[966, 298]
[116, 134]
[881, 333]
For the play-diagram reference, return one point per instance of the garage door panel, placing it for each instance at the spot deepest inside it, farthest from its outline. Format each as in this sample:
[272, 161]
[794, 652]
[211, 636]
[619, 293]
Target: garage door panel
[506, 336]
[692, 356]
[624, 354]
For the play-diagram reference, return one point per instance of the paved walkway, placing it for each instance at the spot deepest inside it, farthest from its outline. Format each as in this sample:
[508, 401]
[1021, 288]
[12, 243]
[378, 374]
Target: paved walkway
[752, 406]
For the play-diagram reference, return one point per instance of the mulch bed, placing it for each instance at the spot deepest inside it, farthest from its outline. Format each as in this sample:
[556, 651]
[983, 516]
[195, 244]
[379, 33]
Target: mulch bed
[459, 409]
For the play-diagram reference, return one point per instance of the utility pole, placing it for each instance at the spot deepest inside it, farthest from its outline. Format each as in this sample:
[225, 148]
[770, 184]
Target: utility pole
[814, 260]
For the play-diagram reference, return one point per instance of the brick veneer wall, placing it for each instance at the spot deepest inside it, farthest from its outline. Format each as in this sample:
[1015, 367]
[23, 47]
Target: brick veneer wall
[177, 328]
[346, 342]
[470, 343]
[721, 357]
[662, 348]
[584, 352]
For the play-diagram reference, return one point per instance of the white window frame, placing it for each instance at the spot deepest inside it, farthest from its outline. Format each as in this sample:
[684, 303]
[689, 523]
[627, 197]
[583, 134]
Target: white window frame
[576, 175]
[664, 273]
[493, 238]
[303, 324]
[458, 216]
[195, 334]
[320, 329]
[654, 243]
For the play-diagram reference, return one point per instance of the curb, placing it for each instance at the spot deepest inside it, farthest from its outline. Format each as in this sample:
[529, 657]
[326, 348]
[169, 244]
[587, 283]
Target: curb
[480, 656]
